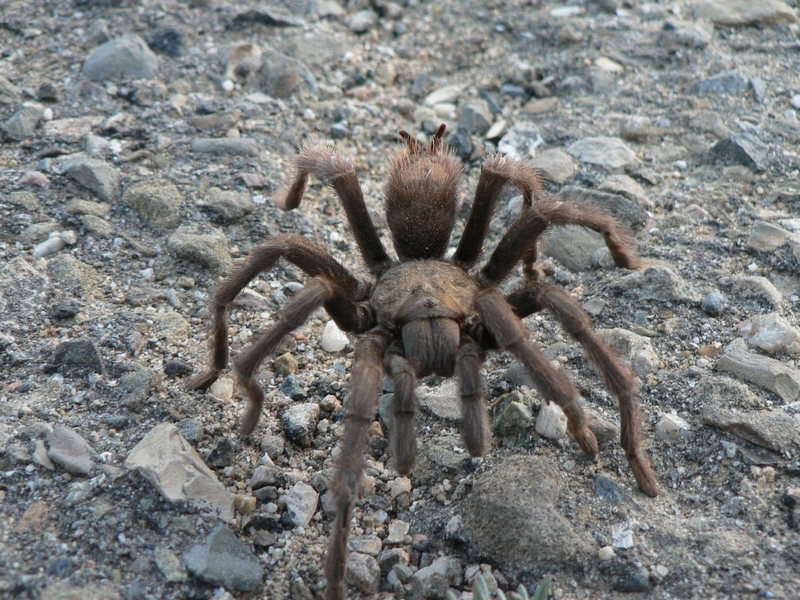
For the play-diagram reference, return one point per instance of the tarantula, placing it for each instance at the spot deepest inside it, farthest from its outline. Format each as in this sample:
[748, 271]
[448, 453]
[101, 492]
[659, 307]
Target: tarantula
[423, 313]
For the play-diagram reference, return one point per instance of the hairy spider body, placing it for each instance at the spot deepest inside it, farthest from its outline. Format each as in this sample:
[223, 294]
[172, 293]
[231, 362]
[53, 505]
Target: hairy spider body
[425, 314]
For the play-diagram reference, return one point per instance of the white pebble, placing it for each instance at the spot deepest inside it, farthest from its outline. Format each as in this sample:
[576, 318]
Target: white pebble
[227, 86]
[622, 536]
[70, 237]
[222, 389]
[551, 421]
[49, 246]
[333, 338]
[605, 553]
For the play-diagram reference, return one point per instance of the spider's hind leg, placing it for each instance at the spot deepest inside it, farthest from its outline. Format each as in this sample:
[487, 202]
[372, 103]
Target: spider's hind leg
[618, 378]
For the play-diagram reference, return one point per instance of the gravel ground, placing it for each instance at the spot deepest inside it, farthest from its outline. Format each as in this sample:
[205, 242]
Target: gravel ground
[142, 143]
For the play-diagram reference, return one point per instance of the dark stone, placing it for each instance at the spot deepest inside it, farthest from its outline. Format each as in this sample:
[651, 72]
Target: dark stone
[741, 149]
[222, 454]
[608, 490]
[627, 578]
[714, 303]
[66, 309]
[724, 83]
[76, 357]
[168, 41]
[515, 91]
[191, 430]
[61, 567]
[222, 559]
[174, 368]
[117, 421]
[461, 143]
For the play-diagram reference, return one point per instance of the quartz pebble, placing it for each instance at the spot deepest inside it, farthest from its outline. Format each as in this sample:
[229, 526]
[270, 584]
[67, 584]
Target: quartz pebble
[333, 338]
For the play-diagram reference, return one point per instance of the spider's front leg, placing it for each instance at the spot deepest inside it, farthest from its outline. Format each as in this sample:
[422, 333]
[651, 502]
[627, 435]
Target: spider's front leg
[360, 410]
[311, 258]
[509, 333]
[403, 433]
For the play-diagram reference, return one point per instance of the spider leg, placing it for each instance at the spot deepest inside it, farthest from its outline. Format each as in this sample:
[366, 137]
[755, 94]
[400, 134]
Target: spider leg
[337, 170]
[299, 251]
[297, 310]
[468, 374]
[509, 333]
[496, 172]
[360, 409]
[521, 239]
[403, 434]
[537, 296]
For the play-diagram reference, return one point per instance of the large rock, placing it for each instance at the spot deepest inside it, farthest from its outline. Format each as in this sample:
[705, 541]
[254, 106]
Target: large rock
[121, 59]
[512, 517]
[172, 465]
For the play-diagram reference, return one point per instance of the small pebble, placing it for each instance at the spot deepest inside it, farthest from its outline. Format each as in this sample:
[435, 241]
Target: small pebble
[333, 338]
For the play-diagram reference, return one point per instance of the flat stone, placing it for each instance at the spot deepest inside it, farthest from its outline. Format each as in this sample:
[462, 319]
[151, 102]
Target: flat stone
[21, 125]
[222, 559]
[621, 207]
[743, 149]
[745, 12]
[169, 564]
[72, 129]
[608, 152]
[772, 429]
[95, 175]
[158, 201]
[573, 246]
[436, 578]
[722, 83]
[172, 465]
[690, 34]
[475, 117]
[768, 373]
[624, 185]
[228, 206]
[301, 504]
[771, 333]
[281, 75]
[672, 428]
[448, 93]
[121, 59]
[270, 15]
[442, 400]
[512, 417]
[70, 451]
[521, 140]
[555, 165]
[757, 288]
[635, 349]
[208, 250]
[655, 282]
[233, 146]
[766, 237]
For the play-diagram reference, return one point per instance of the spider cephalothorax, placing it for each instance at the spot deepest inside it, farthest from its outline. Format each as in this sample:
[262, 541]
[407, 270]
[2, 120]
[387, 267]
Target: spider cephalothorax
[423, 314]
